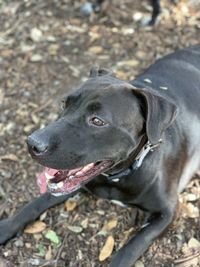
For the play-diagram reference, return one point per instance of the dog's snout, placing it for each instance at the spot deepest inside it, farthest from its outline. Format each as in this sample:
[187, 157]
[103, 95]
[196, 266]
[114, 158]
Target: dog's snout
[37, 146]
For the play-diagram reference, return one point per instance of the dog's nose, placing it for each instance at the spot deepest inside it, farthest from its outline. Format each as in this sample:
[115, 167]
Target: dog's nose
[37, 146]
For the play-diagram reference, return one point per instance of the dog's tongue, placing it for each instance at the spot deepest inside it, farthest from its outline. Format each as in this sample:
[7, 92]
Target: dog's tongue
[42, 180]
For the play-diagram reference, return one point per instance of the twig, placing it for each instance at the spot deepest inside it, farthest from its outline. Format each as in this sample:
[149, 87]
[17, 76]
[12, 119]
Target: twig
[60, 251]
[43, 106]
[178, 261]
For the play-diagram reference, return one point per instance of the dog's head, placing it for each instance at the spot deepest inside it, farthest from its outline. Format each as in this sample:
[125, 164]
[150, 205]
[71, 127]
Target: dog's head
[103, 121]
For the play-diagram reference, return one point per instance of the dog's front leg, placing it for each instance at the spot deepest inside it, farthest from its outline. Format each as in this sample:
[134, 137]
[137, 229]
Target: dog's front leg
[137, 245]
[14, 225]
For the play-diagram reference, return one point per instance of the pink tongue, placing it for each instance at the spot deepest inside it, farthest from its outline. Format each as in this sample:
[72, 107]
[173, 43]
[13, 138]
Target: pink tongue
[42, 181]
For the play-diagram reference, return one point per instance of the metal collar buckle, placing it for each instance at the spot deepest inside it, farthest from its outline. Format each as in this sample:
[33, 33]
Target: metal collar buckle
[143, 153]
[148, 147]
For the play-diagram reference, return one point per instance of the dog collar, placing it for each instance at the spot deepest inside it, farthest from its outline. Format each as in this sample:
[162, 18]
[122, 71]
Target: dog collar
[138, 160]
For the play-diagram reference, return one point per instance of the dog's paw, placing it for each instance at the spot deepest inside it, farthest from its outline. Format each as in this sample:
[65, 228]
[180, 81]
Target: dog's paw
[7, 230]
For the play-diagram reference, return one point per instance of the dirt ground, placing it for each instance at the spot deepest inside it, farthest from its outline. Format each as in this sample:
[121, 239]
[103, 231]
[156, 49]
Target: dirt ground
[46, 49]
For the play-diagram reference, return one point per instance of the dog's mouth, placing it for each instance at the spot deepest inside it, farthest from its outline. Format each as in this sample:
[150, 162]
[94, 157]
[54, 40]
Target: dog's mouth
[60, 182]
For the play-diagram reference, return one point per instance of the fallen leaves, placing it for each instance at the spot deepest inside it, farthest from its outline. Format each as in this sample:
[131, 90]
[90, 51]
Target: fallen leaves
[48, 255]
[56, 43]
[11, 157]
[139, 264]
[53, 237]
[126, 235]
[193, 243]
[75, 229]
[189, 200]
[36, 227]
[189, 210]
[128, 63]
[122, 75]
[41, 250]
[107, 249]
[191, 251]
[110, 225]
[36, 58]
[95, 50]
[70, 205]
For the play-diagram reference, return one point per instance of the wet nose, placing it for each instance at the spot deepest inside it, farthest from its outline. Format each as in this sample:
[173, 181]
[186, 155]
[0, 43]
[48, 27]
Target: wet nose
[37, 146]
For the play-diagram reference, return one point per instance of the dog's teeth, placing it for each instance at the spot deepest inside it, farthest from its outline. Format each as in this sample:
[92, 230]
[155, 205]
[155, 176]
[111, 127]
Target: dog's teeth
[48, 176]
[71, 177]
[60, 185]
[115, 180]
[90, 165]
[79, 173]
[86, 168]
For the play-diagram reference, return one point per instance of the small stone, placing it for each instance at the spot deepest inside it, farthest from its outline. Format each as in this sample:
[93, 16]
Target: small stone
[137, 16]
[36, 35]
[19, 243]
[28, 245]
[87, 9]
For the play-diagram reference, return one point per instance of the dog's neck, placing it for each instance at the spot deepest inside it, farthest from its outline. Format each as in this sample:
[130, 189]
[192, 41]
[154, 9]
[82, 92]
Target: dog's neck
[136, 158]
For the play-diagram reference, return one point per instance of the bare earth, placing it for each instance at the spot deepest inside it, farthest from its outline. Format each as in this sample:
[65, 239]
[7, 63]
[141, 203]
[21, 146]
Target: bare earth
[46, 49]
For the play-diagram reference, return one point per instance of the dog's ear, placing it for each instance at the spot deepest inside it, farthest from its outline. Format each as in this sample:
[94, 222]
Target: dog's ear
[159, 112]
[97, 71]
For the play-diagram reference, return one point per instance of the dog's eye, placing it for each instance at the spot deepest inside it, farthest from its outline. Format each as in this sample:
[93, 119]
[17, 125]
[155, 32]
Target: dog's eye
[97, 121]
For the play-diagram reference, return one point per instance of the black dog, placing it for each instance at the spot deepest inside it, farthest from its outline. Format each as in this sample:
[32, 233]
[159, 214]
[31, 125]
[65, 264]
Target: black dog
[136, 142]
[96, 6]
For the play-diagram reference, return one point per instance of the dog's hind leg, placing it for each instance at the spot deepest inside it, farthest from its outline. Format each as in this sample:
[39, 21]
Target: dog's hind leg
[14, 225]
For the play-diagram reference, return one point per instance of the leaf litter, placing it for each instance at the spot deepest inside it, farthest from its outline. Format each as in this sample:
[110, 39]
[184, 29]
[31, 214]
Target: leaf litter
[45, 49]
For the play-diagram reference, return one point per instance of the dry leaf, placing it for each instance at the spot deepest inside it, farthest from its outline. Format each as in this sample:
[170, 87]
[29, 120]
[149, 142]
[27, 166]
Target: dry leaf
[129, 63]
[29, 128]
[11, 157]
[110, 225]
[107, 249]
[126, 236]
[75, 229]
[139, 264]
[122, 75]
[6, 53]
[191, 261]
[70, 205]
[52, 236]
[187, 197]
[84, 223]
[35, 227]
[95, 49]
[193, 243]
[189, 210]
[36, 58]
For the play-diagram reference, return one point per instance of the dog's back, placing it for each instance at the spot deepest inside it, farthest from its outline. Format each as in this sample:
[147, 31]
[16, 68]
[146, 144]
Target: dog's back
[178, 76]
